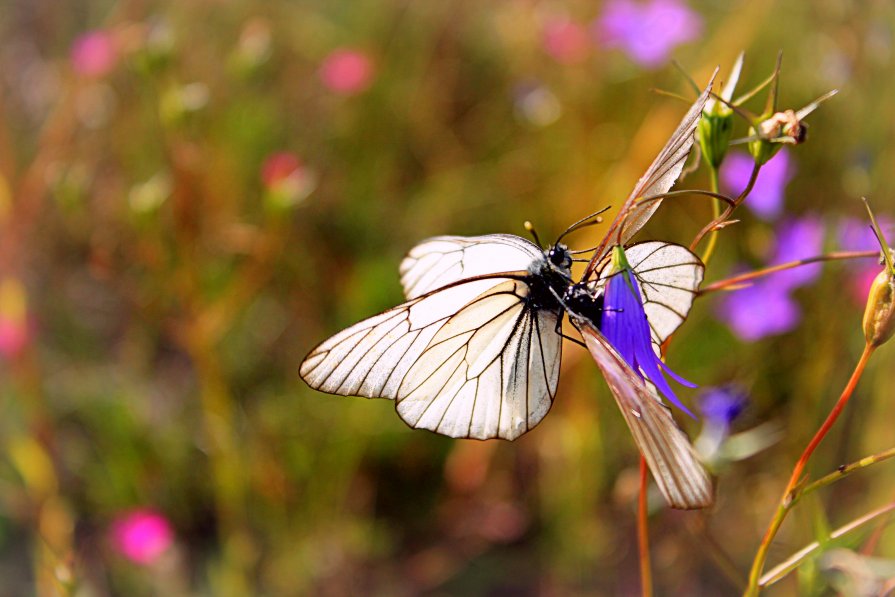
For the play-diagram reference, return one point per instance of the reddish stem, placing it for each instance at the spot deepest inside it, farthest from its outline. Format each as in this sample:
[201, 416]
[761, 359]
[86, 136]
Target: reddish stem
[786, 501]
[646, 575]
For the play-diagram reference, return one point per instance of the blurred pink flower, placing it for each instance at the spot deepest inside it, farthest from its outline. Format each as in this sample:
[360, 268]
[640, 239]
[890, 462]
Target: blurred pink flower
[14, 332]
[94, 54]
[13, 337]
[142, 535]
[347, 71]
[565, 41]
[766, 198]
[647, 31]
[286, 178]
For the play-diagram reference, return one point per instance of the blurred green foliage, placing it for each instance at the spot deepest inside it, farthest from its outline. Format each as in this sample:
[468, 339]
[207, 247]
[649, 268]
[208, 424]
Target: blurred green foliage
[171, 292]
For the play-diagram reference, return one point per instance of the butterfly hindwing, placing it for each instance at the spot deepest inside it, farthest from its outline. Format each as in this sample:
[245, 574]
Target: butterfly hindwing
[490, 371]
[669, 277]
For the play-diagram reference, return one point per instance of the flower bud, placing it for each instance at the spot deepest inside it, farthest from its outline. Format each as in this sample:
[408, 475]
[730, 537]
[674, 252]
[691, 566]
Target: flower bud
[879, 316]
[713, 132]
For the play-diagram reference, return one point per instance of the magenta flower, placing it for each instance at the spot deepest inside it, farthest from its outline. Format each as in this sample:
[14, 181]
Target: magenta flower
[647, 31]
[624, 324]
[94, 54]
[346, 71]
[142, 535]
[566, 41]
[766, 198]
[14, 332]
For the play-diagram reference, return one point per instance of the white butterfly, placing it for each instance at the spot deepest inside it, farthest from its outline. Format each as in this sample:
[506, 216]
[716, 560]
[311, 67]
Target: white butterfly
[475, 351]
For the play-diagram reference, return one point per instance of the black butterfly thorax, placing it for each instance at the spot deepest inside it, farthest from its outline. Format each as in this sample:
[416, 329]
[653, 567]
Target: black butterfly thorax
[582, 302]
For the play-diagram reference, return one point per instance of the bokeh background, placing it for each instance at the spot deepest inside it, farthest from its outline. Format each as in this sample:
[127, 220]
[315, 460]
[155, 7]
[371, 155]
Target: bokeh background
[193, 194]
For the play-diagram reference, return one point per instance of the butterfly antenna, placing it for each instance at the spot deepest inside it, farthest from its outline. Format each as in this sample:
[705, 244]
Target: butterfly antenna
[531, 230]
[589, 220]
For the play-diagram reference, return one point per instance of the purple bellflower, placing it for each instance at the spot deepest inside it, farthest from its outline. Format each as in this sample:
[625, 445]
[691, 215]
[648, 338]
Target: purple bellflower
[625, 325]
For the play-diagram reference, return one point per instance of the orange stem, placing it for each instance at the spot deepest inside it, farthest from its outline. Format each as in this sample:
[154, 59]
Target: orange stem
[646, 575]
[786, 501]
[732, 283]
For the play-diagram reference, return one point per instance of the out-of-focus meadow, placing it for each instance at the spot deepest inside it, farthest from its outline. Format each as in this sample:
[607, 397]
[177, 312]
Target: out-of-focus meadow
[194, 194]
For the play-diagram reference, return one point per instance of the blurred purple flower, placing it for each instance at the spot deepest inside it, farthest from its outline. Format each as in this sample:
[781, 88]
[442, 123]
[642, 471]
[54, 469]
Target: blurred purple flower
[94, 54]
[762, 309]
[719, 407]
[765, 308]
[347, 71]
[766, 198]
[722, 405]
[625, 326]
[798, 238]
[142, 535]
[565, 41]
[647, 31]
[856, 235]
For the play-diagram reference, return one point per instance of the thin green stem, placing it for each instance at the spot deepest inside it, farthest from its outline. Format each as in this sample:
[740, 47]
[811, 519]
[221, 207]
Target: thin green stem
[787, 501]
[843, 471]
[716, 209]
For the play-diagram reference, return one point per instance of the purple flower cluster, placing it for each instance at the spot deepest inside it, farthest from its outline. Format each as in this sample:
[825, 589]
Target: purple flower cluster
[766, 198]
[647, 31]
[625, 325]
[766, 307]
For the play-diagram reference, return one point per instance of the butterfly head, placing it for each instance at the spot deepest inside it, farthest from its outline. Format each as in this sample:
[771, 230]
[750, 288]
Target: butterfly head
[558, 255]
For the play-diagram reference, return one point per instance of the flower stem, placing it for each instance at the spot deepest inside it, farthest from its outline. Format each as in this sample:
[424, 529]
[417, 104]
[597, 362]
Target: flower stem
[843, 471]
[646, 575]
[716, 212]
[788, 500]
[721, 219]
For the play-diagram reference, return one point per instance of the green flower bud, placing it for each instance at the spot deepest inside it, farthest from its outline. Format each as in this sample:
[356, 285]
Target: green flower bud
[879, 316]
[761, 149]
[713, 132]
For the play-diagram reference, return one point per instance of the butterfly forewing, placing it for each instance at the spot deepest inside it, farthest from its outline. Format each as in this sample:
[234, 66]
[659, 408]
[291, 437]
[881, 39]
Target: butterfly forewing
[441, 260]
[667, 450]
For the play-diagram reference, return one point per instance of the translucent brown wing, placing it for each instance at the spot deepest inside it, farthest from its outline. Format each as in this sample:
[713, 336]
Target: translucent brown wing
[671, 458]
[658, 179]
